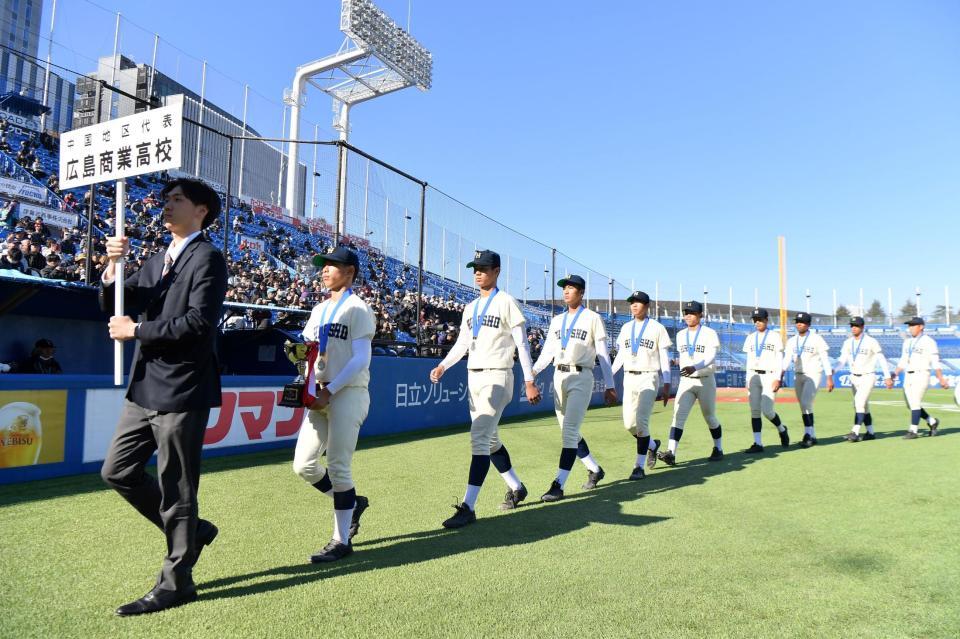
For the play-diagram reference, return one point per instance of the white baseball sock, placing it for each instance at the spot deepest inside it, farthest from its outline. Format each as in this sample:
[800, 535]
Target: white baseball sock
[470, 497]
[757, 440]
[672, 446]
[641, 460]
[590, 463]
[511, 478]
[562, 477]
[341, 525]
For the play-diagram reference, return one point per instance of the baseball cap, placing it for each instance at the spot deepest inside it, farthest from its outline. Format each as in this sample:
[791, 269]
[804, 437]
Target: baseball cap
[915, 321]
[44, 343]
[856, 320]
[339, 255]
[692, 306]
[573, 280]
[803, 318]
[639, 296]
[484, 258]
[759, 314]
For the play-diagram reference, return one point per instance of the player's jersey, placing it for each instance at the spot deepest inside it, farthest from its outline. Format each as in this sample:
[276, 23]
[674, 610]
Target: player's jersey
[494, 346]
[919, 354]
[353, 320]
[704, 345]
[863, 355]
[650, 340]
[764, 351]
[583, 334]
[808, 353]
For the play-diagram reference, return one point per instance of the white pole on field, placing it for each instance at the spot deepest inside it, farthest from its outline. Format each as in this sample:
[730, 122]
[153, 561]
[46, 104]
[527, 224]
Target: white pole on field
[118, 231]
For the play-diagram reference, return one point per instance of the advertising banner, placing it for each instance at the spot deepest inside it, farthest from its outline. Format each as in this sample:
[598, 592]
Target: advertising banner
[23, 190]
[51, 217]
[32, 427]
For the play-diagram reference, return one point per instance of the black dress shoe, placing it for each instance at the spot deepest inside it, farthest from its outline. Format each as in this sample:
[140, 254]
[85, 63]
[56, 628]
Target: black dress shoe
[206, 533]
[157, 600]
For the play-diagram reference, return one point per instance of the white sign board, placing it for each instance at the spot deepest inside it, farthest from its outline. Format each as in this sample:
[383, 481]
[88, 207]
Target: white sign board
[23, 190]
[51, 217]
[140, 143]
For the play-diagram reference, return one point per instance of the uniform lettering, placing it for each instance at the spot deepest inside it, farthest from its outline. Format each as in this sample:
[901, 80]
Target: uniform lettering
[577, 333]
[338, 331]
[646, 343]
[488, 320]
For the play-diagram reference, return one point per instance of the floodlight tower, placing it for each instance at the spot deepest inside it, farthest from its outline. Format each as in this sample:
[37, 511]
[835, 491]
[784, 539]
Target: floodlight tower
[376, 58]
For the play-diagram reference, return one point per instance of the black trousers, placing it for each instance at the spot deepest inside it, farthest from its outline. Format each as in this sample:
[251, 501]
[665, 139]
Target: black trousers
[171, 502]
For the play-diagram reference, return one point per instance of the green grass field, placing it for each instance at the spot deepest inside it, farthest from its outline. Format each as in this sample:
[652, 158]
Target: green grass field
[842, 540]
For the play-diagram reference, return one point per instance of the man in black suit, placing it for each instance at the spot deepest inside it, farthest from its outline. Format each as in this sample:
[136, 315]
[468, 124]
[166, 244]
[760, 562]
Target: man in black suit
[174, 382]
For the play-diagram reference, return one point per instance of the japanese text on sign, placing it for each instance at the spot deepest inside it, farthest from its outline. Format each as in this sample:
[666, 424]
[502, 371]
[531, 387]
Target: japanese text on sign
[141, 143]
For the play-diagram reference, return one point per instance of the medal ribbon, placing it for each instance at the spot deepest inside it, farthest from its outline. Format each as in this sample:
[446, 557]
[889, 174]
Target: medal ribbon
[478, 321]
[323, 330]
[758, 345]
[634, 340]
[691, 348]
[564, 333]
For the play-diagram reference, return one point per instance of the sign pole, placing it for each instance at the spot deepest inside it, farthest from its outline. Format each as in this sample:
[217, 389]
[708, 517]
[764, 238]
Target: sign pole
[119, 227]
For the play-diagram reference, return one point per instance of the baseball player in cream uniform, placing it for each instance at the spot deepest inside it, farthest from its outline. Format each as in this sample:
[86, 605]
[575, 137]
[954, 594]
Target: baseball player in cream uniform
[343, 327]
[492, 330]
[764, 350]
[643, 352]
[809, 354]
[918, 356]
[575, 340]
[698, 346]
[863, 354]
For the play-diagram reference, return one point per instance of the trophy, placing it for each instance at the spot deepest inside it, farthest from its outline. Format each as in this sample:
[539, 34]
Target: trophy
[295, 393]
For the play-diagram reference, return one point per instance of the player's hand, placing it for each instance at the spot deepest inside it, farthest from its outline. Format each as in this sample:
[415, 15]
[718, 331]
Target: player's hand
[322, 400]
[687, 371]
[830, 384]
[533, 394]
[944, 383]
[776, 385]
[117, 248]
[888, 382]
[610, 396]
[666, 393]
[436, 374]
[121, 328]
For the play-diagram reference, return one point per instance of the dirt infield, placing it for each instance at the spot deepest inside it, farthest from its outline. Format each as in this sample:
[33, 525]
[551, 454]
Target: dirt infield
[739, 395]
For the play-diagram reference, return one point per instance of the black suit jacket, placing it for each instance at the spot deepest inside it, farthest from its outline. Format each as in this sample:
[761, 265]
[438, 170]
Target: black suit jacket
[175, 366]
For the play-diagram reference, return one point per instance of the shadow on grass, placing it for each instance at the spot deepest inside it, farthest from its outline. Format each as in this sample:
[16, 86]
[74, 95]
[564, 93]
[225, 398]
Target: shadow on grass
[528, 524]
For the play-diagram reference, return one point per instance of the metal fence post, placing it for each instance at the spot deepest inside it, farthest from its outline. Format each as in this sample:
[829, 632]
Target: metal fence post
[423, 225]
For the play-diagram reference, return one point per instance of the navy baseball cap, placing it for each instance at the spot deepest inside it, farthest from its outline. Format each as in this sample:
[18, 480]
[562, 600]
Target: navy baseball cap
[484, 258]
[803, 318]
[43, 343]
[692, 306]
[573, 280]
[915, 321]
[339, 255]
[759, 314]
[856, 320]
[639, 296]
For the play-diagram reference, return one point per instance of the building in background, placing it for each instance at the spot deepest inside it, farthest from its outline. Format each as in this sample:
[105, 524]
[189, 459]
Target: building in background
[21, 74]
[264, 167]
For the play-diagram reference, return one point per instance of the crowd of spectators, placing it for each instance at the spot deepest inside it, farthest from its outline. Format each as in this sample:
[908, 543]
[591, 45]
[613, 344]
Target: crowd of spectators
[272, 281]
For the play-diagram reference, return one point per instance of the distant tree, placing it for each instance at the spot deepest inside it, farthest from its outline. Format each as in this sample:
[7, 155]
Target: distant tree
[876, 312]
[940, 314]
[842, 312]
[909, 309]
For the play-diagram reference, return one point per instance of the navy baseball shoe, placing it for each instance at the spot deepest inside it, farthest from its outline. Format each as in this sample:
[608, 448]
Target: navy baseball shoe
[593, 478]
[461, 518]
[555, 493]
[513, 498]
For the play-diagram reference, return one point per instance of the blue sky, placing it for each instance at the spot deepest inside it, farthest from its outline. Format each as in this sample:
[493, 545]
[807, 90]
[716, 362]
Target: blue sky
[666, 142]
